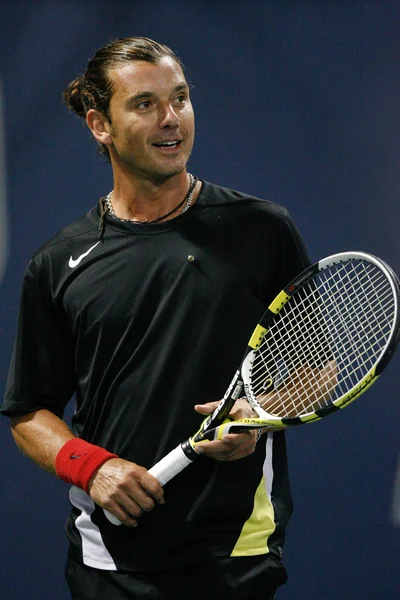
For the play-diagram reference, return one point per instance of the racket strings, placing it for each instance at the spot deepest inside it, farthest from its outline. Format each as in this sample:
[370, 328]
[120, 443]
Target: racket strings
[361, 331]
[357, 346]
[324, 340]
[350, 325]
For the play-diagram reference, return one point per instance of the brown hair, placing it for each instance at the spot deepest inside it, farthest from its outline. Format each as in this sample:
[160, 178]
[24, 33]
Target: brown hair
[94, 88]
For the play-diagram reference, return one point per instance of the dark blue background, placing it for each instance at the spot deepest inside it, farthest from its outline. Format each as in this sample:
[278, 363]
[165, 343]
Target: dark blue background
[297, 102]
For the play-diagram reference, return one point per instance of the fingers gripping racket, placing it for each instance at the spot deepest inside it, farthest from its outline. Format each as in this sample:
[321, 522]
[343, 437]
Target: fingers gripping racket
[321, 343]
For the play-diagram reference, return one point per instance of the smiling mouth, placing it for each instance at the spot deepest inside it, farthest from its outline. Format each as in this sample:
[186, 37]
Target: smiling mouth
[169, 144]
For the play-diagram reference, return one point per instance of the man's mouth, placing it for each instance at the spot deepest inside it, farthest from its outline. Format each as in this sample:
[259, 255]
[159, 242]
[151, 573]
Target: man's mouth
[168, 144]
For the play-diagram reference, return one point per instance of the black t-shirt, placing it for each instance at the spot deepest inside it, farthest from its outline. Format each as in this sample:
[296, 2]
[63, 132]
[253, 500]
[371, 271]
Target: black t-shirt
[140, 333]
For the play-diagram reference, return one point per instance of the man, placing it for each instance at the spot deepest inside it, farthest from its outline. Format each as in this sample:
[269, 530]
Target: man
[142, 308]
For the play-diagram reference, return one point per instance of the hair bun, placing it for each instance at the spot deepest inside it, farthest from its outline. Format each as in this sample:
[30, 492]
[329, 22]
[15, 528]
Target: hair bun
[73, 97]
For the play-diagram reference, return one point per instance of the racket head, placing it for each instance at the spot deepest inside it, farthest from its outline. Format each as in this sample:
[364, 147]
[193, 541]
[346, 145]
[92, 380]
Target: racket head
[323, 341]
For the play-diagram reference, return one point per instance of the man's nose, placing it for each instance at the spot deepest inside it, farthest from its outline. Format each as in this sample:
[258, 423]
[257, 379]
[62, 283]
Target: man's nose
[168, 117]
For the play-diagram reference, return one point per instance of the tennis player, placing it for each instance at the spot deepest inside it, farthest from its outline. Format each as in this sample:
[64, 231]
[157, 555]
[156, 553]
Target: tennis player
[142, 309]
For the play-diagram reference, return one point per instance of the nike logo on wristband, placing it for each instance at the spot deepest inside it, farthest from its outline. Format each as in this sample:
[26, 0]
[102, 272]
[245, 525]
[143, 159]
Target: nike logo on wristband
[77, 456]
[75, 262]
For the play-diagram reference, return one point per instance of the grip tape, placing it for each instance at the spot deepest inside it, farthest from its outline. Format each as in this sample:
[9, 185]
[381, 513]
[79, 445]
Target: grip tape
[169, 466]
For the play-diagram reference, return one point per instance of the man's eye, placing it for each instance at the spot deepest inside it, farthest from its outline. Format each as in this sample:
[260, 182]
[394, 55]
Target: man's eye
[143, 105]
[181, 99]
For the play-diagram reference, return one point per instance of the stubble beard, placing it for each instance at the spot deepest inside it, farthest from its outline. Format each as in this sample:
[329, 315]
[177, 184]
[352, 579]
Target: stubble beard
[152, 171]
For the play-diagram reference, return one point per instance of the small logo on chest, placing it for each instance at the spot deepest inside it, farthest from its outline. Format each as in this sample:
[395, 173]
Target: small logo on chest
[74, 262]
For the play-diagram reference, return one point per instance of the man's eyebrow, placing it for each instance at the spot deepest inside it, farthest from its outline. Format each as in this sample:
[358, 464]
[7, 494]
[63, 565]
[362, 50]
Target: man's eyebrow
[182, 87]
[138, 97]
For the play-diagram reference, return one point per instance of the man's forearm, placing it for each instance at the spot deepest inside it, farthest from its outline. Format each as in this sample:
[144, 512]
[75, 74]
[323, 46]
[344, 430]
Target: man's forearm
[40, 435]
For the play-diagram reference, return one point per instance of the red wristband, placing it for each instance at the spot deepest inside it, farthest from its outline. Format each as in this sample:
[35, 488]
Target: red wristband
[77, 461]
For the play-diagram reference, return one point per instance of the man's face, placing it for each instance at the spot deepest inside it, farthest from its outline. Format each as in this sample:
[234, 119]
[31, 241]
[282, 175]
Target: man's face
[152, 120]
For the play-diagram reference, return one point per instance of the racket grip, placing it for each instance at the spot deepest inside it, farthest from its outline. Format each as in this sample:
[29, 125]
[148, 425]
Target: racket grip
[172, 464]
[112, 518]
[165, 470]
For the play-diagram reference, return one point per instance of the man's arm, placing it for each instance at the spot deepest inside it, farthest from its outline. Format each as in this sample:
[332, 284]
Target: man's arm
[122, 487]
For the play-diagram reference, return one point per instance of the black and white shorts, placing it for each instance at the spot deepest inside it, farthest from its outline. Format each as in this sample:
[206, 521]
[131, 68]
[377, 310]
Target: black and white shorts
[243, 578]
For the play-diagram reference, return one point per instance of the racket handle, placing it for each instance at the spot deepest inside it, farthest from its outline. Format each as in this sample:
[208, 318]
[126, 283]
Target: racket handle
[112, 518]
[172, 464]
[165, 470]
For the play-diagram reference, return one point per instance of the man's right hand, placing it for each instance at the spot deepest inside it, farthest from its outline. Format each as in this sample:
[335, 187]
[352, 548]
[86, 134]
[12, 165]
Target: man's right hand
[125, 489]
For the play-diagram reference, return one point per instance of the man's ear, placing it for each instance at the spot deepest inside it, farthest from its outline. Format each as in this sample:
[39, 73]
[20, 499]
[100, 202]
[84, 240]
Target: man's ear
[99, 126]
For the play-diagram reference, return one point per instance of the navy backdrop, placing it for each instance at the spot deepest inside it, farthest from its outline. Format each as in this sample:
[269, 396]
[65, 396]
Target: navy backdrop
[297, 102]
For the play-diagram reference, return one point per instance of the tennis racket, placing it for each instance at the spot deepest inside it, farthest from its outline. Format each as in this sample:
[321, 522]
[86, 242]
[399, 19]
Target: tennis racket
[322, 342]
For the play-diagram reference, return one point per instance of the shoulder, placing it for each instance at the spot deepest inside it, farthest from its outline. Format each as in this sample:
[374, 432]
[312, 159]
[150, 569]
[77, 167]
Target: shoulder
[51, 260]
[67, 237]
[260, 221]
[216, 195]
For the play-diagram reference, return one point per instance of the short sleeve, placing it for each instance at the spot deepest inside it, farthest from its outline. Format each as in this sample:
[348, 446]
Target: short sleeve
[41, 374]
[290, 254]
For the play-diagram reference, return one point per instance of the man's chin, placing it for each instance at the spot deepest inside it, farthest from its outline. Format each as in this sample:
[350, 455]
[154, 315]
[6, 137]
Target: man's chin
[167, 172]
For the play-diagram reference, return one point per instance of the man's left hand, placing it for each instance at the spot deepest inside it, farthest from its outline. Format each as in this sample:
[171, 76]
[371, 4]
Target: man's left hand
[231, 446]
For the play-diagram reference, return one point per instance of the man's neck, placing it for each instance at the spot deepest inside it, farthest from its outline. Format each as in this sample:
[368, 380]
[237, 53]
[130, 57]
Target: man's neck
[145, 199]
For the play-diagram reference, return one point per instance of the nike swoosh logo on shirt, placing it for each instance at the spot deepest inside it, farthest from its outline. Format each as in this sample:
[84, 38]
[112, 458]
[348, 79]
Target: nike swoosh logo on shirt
[75, 262]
